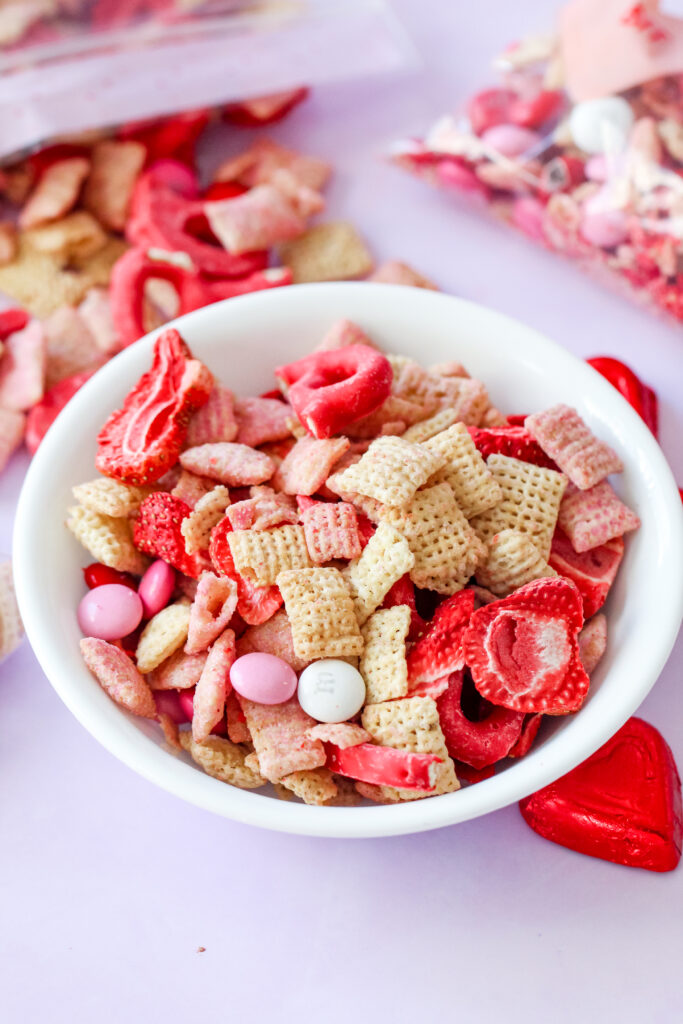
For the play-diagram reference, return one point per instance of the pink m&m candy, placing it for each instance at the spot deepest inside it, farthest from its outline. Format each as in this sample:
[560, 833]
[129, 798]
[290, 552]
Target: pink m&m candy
[605, 230]
[511, 140]
[156, 587]
[263, 678]
[110, 612]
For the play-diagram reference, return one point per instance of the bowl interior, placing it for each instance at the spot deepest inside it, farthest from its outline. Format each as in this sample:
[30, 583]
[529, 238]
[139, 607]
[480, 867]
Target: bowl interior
[241, 341]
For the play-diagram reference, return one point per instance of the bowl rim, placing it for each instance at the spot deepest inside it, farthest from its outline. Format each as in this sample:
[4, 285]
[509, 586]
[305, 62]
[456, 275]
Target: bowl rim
[123, 740]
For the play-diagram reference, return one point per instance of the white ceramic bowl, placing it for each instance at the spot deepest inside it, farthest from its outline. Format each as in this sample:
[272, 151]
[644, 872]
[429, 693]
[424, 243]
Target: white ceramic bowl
[241, 341]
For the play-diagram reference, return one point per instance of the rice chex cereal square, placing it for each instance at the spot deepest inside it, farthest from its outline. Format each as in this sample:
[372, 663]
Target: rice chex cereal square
[390, 471]
[383, 662]
[261, 555]
[512, 561]
[321, 613]
[411, 724]
[223, 760]
[465, 471]
[564, 436]
[530, 502]
[207, 513]
[385, 558]
[591, 518]
[163, 635]
[422, 431]
[110, 497]
[331, 531]
[109, 540]
[307, 466]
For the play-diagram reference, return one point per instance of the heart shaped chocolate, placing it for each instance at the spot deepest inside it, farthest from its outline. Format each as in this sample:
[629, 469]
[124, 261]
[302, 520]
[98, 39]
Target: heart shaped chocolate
[622, 804]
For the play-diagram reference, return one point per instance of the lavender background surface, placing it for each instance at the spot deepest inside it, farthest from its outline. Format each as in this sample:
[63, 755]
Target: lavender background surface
[108, 886]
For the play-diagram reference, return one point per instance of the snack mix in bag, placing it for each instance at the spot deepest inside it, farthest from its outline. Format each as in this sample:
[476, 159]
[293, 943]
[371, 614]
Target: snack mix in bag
[366, 583]
[580, 145]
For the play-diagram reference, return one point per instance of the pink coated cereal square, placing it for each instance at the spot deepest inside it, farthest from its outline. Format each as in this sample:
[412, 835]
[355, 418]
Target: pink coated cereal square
[261, 420]
[307, 466]
[235, 465]
[265, 508]
[236, 722]
[395, 272]
[213, 607]
[331, 531]
[591, 518]
[70, 345]
[341, 334]
[213, 687]
[257, 219]
[191, 488]
[566, 439]
[279, 734]
[272, 637]
[179, 672]
[11, 434]
[118, 676]
[215, 421]
[22, 368]
[342, 734]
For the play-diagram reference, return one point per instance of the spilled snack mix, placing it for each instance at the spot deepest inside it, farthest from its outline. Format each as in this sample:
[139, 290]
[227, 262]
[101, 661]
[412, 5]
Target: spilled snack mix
[284, 569]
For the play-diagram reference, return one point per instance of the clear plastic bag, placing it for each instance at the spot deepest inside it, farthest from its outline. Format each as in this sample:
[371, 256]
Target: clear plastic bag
[67, 66]
[579, 144]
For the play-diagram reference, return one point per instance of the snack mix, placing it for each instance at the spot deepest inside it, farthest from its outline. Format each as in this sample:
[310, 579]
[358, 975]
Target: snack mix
[366, 583]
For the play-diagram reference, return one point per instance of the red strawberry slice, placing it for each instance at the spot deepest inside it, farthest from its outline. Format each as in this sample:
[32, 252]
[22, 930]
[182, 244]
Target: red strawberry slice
[254, 604]
[466, 773]
[515, 442]
[383, 766]
[523, 652]
[45, 412]
[530, 727]
[439, 652]
[157, 531]
[403, 592]
[141, 441]
[592, 571]
[622, 804]
[11, 321]
[481, 743]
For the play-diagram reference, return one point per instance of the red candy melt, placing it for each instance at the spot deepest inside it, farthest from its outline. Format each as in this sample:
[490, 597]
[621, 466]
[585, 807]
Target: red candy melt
[330, 390]
[623, 804]
[383, 766]
[139, 442]
[593, 572]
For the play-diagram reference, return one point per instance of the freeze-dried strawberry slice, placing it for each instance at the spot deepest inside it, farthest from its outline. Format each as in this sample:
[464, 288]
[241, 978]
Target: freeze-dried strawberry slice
[523, 651]
[384, 766]
[515, 442]
[593, 571]
[254, 604]
[403, 592]
[530, 727]
[141, 441]
[45, 412]
[157, 531]
[440, 652]
[12, 320]
[481, 743]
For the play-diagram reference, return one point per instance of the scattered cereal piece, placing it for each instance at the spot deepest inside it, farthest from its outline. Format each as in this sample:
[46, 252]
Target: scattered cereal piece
[212, 609]
[260, 420]
[443, 543]
[564, 436]
[412, 724]
[261, 555]
[118, 676]
[256, 165]
[530, 503]
[385, 559]
[272, 637]
[512, 561]
[342, 734]
[265, 508]
[238, 731]
[70, 346]
[170, 730]
[56, 192]
[95, 310]
[109, 497]
[107, 539]
[108, 190]
[347, 794]
[331, 531]
[451, 368]
[327, 252]
[341, 334]
[473, 485]
[279, 735]
[391, 471]
[215, 421]
[191, 488]
[314, 786]
[232, 464]
[395, 272]
[593, 642]
[207, 513]
[76, 236]
[212, 687]
[383, 662]
[421, 432]
[305, 469]
[392, 417]
[12, 425]
[591, 518]
[11, 628]
[222, 760]
[8, 242]
[179, 672]
[22, 368]
[163, 635]
[321, 613]
[258, 219]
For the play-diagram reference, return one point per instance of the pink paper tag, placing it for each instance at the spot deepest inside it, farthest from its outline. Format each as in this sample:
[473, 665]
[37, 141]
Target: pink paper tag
[612, 45]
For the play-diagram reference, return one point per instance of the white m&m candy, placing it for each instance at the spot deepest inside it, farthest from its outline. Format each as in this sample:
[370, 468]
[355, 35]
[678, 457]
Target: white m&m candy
[331, 690]
[602, 125]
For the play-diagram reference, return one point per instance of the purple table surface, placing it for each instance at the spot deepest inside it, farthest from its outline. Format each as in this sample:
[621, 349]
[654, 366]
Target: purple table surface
[110, 886]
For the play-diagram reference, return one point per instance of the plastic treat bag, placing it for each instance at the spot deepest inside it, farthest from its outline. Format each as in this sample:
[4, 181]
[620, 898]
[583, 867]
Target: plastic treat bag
[78, 65]
[579, 144]
[11, 629]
